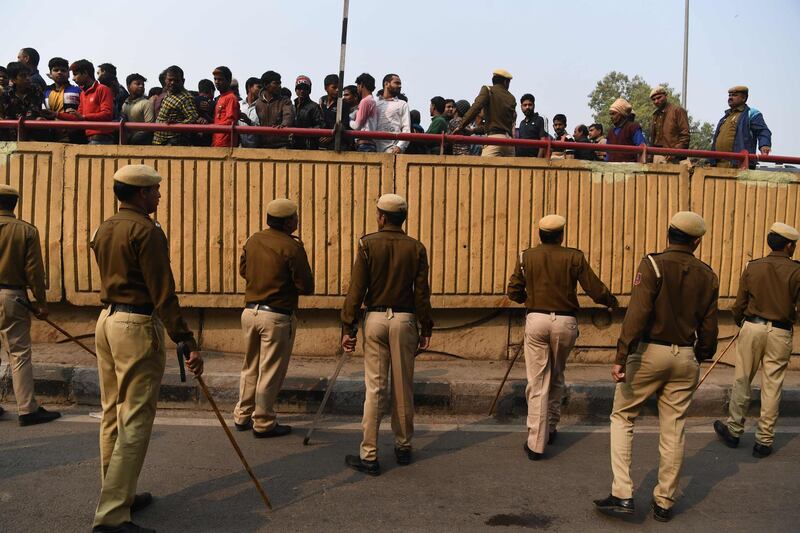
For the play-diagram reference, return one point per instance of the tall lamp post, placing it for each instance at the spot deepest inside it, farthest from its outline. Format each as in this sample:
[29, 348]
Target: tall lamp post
[685, 52]
[337, 139]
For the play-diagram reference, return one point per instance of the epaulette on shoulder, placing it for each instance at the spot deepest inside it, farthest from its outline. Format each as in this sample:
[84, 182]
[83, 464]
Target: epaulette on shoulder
[705, 264]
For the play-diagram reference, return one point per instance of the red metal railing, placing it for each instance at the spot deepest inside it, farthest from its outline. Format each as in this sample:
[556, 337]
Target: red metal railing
[744, 157]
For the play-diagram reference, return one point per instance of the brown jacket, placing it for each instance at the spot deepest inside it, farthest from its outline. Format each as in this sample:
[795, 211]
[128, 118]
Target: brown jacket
[676, 305]
[499, 110]
[275, 266]
[272, 112]
[132, 254]
[670, 127]
[21, 256]
[769, 288]
[391, 270]
[546, 279]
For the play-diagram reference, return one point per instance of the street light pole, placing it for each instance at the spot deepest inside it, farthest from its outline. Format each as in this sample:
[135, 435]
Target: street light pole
[685, 53]
[337, 140]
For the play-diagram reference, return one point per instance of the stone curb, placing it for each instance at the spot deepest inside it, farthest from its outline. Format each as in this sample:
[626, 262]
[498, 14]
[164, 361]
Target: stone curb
[64, 384]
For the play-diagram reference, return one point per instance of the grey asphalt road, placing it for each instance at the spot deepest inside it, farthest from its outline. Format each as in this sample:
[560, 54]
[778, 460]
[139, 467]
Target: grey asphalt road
[467, 475]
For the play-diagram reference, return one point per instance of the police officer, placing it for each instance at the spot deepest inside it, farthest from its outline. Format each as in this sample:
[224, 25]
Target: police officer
[765, 309]
[137, 285]
[275, 266]
[20, 267]
[671, 324]
[390, 276]
[552, 272]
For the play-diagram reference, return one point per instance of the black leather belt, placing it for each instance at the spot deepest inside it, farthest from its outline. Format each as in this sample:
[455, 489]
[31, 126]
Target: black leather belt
[666, 343]
[775, 323]
[11, 287]
[264, 307]
[384, 308]
[557, 313]
[144, 309]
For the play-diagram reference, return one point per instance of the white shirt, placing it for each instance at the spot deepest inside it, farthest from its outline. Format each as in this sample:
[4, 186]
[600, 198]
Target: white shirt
[249, 110]
[393, 116]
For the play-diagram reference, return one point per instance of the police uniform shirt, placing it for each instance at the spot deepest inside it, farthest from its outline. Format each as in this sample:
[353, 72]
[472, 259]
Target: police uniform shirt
[133, 257]
[275, 267]
[769, 288]
[547, 279]
[391, 270]
[21, 255]
[675, 307]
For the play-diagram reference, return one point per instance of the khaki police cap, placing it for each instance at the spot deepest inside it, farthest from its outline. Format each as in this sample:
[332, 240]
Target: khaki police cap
[281, 208]
[137, 175]
[392, 203]
[739, 89]
[785, 230]
[689, 222]
[552, 223]
[502, 72]
[658, 90]
[8, 190]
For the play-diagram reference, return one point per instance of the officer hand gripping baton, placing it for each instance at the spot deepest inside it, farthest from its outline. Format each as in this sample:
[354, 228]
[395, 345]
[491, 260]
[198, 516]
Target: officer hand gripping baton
[331, 382]
[27, 305]
[717, 360]
[183, 352]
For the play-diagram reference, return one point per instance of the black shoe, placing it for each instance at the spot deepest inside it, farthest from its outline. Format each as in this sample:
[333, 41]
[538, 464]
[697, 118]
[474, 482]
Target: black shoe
[277, 431]
[661, 514]
[355, 462]
[403, 456]
[125, 527]
[760, 450]
[730, 440]
[532, 455]
[615, 505]
[140, 501]
[551, 438]
[40, 416]
[244, 427]
[2, 411]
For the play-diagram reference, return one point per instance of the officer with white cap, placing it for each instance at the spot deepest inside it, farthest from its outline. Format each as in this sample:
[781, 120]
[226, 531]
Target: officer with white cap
[138, 288]
[670, 325]
[275, 266]
[765, 309]
[545, 280]
[21, 267]
[390, 276]
[499, 110]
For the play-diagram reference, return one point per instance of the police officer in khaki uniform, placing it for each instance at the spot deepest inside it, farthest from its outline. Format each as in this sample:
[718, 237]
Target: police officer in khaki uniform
[20, 267]
[552, 272]
[500, 111]
[765, 308]
[390, 276]
[670, 325]
[275, 266]
[137, 285]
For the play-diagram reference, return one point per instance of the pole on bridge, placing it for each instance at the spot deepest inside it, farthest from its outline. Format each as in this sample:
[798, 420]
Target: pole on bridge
[337, 131]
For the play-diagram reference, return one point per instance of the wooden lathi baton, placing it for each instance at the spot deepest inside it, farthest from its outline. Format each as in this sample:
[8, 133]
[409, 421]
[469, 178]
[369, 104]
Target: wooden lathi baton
[27, 305]
[717, 360]
[331, 383]
[183, 352]
[508, 371]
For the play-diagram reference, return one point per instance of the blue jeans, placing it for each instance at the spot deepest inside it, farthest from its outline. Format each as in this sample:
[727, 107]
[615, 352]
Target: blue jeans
[366, 148]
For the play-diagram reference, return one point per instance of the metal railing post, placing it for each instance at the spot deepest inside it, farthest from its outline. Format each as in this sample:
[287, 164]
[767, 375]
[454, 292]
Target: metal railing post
[745, 164]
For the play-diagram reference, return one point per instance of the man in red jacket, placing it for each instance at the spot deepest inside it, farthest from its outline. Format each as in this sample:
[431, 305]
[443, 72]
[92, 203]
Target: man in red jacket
[226, 110]
[96, 105]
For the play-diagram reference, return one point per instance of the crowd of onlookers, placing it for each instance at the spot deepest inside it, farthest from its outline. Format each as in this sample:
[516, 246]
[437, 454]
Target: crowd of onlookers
[99, 96]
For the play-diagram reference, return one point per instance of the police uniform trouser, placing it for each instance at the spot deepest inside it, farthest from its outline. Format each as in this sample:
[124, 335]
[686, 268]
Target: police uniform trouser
[770, 347]
[669, 372]
[130, 363]
[15, 339]
[390, 344]
[549, 339]
[269, 338]
[491, 150]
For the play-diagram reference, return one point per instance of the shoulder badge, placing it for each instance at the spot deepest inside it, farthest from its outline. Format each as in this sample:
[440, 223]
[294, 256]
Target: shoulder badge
[156, 224]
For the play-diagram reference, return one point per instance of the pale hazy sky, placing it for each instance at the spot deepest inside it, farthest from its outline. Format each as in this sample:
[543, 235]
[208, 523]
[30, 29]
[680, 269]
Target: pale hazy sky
[556, 50]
